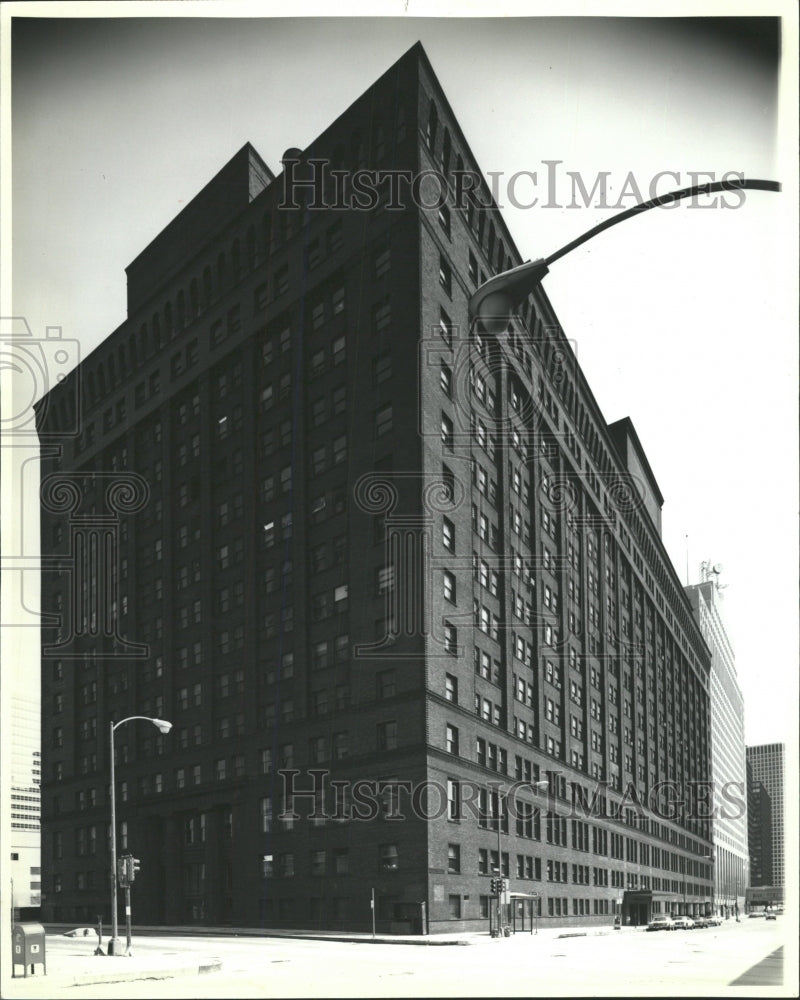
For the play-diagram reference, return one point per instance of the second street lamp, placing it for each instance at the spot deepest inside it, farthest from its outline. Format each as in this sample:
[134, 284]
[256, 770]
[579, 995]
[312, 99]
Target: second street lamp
[163, 727]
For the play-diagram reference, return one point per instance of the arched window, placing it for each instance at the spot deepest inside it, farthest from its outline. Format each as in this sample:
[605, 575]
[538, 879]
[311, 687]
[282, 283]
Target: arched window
[208, 287]
[168, 327]
[194, 302]
[221, 276]
[156, 324]
[181, 308]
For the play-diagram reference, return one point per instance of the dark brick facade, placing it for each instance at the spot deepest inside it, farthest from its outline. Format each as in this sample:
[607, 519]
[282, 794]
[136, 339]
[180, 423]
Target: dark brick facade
[363, 542]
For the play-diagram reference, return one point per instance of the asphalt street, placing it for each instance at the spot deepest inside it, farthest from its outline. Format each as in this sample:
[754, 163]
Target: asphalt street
[733, 960]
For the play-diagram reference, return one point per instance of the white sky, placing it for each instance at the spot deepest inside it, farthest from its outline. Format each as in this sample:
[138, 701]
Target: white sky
[684, 320]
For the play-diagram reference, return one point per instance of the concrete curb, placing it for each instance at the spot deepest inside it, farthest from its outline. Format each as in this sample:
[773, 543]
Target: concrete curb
[120, 974]
[424, 941]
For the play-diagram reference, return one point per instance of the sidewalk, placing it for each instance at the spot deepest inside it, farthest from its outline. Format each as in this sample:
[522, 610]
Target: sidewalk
[71, 960]
[77, 965]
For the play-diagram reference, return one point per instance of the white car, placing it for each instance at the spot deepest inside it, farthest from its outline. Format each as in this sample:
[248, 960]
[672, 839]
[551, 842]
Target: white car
[684, 923]
[661, 922]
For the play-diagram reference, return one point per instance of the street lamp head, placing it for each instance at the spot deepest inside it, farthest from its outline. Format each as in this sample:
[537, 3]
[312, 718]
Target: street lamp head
[493, 304]
[162, 725]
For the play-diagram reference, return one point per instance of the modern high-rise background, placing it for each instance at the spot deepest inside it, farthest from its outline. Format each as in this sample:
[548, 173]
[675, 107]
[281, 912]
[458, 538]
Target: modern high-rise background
[759, 831]
[765, 769]
[25, 790]
[728, 770]
[353, 550]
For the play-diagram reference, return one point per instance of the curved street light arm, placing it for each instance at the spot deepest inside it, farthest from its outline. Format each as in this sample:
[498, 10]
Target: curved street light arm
[734, 184]
[146, 718]
[494, 301]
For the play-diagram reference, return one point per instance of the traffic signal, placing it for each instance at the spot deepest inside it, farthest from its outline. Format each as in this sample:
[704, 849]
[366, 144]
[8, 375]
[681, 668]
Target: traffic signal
[133, 867]
[122, 871]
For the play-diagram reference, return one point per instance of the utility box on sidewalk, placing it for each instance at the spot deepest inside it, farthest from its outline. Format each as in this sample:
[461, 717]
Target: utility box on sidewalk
[27, 947]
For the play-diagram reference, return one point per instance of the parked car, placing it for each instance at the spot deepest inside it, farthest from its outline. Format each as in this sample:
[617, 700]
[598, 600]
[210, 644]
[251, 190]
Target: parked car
[755, 913]
[702, 921]
[683, 923]
[714, 921]
[770, 915]
[661, 922]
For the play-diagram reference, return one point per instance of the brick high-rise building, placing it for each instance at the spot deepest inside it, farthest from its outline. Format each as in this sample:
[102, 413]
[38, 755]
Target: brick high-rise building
[324, 530]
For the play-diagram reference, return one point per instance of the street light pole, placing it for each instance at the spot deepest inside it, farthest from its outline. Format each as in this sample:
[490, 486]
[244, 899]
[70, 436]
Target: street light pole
[114, 943]
[163, 726]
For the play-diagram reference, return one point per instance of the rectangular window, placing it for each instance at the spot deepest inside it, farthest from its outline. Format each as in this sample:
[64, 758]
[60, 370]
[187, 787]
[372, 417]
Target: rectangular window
[387, 735]
[448, 535]
[453, 799]
[446, 379]
[382, 315]
[445, 276]
[386, 684]
[382, 262]
[383, 420]
[281, 280]
[447, 432]
[445, 327]
[453, 859]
